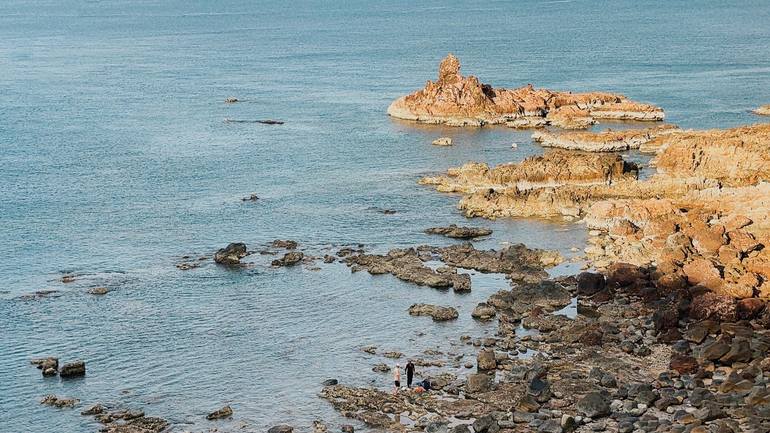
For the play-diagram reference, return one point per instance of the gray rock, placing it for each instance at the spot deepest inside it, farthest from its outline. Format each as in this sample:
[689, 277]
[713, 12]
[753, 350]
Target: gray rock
[231, 254]
[478, 382]
[282, 428]
[593, 405]
[330, 382]
[225, 412]
[73, 369]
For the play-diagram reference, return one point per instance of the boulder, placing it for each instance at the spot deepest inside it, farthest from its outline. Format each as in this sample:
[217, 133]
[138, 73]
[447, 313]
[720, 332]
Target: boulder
[478, 382]
[330, 382]
[486, 424]
[702, 272]
[289, 259]
[98, 291]
[484, 311]
[231, 254]
[286, 244]
[437, 313]
[710, 305]
[347, 428]
[594, 405]
[281, 428]
[93, 410]
[590, 283]
[485, 360]
[73, 369]
[224, 412]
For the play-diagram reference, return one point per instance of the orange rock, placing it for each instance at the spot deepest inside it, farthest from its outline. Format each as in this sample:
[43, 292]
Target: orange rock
[743, 241]
[759, 264]
[464, 101]
[702, 272]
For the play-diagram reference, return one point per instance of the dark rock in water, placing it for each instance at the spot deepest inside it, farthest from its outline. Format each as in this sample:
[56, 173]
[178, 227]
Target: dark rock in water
[225, 412]
[250, 197]
[93, 410]
[282, 428]
[330, 382]
[138, 425]
[381, 368]
[286, 244]
[289, 259]
[347, 428]
[594, 404]
[590, 283]
[231, 100]
[483, 311]
[437, 313]
[329, 258]
[48, 371]
[231, 254]
[478, 382]
[453, 231]
[45, 363]
[60, 402]
[73, 369]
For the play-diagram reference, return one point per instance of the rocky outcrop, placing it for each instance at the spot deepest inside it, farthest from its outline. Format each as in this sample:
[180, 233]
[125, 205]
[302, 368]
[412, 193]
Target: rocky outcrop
[604, 141]
[453, 231]
[437, 313]
[289, 259]
[553, 168]
[457, 100]
[763, 110]
[231, 254]
[443, 141]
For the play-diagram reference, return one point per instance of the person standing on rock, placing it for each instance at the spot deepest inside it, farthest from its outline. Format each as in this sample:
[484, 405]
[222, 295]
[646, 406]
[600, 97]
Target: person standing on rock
[409, 373]
[397, 378]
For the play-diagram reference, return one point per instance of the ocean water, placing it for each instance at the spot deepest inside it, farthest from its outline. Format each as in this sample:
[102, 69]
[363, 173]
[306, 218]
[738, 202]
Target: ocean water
[115, 161]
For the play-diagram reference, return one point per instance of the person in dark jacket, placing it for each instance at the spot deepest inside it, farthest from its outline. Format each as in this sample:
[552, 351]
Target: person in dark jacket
[409, 373]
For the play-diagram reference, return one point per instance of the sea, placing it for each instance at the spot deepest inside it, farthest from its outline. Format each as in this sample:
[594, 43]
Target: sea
[117, 162]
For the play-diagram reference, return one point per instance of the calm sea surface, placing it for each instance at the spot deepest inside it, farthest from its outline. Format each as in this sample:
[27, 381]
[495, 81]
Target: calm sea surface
[115, 161]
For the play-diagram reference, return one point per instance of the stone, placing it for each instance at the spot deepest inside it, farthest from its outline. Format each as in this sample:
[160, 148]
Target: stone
[443, 141]
[281, 428]
[347, 428]
[225, 412]
[60, 402]
[486, 424]
[98, 291]
[93, 410]
[437, 313]
[740, 351]
[231, 254]
[478, 382]
[594, 405]
[590, 283]
[453, 231]
[485, 360]
[289, 259]
[683, 364]
[710, 305]
[484, 311]
[330, 382]
[73, 369]
[285, 244]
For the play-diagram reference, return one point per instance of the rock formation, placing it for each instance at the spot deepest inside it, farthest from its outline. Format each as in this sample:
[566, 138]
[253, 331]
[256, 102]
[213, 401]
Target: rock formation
[604, 141]
[453, 231]
[456, 100]
[436, 312]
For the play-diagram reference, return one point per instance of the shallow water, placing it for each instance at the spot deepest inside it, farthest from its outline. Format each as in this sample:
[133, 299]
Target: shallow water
[116, 161]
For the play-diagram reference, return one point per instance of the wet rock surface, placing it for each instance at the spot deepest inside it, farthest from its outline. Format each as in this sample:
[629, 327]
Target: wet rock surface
[437, 313]
[453, 231]
[231, 254]
[224, 412]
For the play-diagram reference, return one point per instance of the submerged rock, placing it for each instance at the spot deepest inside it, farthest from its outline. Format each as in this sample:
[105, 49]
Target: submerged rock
[98, 291]
[224, 412]
[282, 428]
[231, 254]
[453, 231]
[250, 197]
[286, 244]
[60, 402]
[437, 313]
[484, 311]
[763, 110]
[443, 141]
